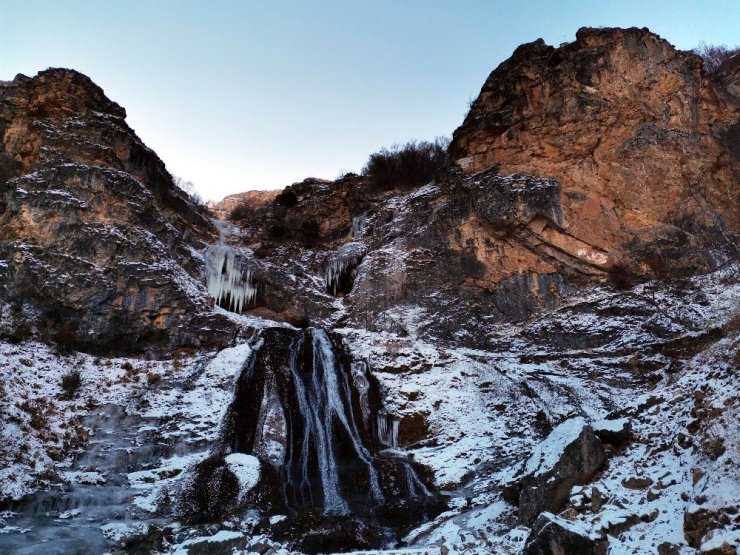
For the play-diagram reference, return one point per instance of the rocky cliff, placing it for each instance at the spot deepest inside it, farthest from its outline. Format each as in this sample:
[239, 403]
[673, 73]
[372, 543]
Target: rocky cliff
[642, 141]
[98, 247]
[542, 342]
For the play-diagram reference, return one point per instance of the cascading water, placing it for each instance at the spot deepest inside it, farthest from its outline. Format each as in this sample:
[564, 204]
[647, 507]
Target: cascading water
[324, 401]
[313, 414]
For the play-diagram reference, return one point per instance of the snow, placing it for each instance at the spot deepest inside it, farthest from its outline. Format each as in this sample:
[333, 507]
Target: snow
[548, 453]
[218, 537]
[246, 468]
[722, 539]
[616, 425]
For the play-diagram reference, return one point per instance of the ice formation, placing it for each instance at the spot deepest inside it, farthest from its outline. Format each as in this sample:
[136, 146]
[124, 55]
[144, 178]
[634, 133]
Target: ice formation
[340, 273]
[228, 281]
[334, 274]
[388, 430]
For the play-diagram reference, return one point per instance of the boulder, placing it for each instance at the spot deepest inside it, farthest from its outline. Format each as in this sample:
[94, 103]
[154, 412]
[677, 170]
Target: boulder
[616, 432]
[570, 455]
[552, 535]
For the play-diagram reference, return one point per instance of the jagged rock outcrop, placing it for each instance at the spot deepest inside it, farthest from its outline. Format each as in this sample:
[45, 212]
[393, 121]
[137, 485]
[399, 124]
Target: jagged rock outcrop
[552, 535]
[642, 142]
[570, 455]
[606, 159]
[98, 248]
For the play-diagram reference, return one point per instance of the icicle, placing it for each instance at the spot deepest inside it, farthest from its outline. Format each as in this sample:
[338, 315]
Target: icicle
[394, 432]
[362, 386]
[388, 435]
[334, 273]
[226, 281]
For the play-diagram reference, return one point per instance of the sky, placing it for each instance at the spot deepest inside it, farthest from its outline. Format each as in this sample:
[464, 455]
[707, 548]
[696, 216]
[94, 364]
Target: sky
[241, 95]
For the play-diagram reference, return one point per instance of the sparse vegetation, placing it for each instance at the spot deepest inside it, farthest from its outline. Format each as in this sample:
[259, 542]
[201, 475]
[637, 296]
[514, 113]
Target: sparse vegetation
[189, 188]
[71, 382]
[242, 211]
[714, 54]
[407, 165]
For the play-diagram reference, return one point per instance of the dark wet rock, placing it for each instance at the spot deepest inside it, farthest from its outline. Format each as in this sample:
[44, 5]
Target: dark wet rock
[616, 432]
[570, 455]
[313, 532]
[552, 535]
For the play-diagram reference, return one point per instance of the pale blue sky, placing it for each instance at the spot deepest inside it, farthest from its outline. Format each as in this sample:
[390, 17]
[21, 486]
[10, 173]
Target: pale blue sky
[247, 95]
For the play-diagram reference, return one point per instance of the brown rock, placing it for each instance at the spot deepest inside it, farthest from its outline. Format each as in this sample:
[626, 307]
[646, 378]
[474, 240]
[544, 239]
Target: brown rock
[643, 143]
[637, 482]
[95, 235]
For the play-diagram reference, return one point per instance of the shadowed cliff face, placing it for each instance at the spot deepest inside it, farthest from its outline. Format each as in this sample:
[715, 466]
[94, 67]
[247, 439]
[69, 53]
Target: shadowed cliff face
[639, 137]
[97, 244]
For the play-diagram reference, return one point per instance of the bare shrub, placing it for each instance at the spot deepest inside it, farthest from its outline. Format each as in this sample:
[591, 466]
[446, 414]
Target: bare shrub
[71, 382]
[407, 165]
[714, 54]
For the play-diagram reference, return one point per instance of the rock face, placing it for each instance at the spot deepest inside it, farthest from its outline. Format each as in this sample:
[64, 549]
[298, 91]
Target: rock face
[552, 535]
[642, 142]
[97, 246]
[570, 455]
[612, 158]
[460, 320]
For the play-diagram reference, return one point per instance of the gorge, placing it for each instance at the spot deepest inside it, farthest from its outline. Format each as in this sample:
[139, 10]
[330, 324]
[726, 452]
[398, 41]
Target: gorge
[535, 352]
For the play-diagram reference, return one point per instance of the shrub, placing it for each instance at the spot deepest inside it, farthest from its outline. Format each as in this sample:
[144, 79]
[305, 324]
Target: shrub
[408, 165]
[36, 412]
[71, 383]
[286, 198]
[242, 211]
[66, 339]
[714, 54]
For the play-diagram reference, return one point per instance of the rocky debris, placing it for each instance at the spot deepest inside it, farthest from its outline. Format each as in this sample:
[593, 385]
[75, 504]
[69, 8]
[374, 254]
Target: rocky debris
[699, 521]
[570, 455]
[552, 535]
[642, 143]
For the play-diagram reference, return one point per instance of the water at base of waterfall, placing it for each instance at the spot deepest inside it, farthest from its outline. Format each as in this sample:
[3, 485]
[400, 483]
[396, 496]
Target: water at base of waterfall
[90, 515]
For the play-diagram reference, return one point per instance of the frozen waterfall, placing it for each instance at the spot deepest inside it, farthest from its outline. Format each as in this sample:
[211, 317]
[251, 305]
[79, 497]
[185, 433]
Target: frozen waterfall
[228, 279]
